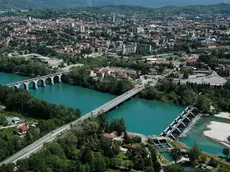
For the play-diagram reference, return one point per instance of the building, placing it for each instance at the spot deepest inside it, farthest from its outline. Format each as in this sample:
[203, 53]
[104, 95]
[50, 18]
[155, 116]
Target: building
[144, 48]
[129, 49]
[21, 130]
[114, 18]
[82, 29]
[93, 41]
[140, 30]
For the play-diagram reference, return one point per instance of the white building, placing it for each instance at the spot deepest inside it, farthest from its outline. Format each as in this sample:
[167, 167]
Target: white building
[140, 30]
[82, 29]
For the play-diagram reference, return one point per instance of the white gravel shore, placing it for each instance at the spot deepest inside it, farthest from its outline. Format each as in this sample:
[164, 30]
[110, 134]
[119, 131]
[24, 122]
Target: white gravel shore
[218, 131]
[225, 115]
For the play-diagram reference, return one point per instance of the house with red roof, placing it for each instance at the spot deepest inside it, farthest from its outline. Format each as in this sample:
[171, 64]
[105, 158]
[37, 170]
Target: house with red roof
[21, 130]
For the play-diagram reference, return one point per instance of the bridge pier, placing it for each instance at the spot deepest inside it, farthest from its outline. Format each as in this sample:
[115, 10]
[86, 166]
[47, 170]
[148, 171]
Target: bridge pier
[59, 78]
[44, 82]
[26, 84]
[188, 119]
[17, 86]
[183, 124]
[178, 130]
[35, 84]
[171, 135]
[52, 80]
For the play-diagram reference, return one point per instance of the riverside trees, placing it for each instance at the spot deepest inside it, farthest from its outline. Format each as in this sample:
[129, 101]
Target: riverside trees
[191, 94]
[49, 116]
[81, 77]
[85, 150]
[22, 66]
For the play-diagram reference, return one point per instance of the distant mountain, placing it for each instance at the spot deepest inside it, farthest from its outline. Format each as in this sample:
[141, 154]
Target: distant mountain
[77, 3]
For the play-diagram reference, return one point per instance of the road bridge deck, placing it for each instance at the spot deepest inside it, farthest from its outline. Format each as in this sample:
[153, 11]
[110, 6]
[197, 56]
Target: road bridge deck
[37, 145]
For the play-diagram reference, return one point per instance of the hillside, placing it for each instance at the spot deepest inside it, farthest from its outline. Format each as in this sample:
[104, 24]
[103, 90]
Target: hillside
[6, 4]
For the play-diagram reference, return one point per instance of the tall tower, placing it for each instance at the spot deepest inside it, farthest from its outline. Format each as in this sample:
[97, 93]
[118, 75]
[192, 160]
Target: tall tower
[114, 18]
[82, 29]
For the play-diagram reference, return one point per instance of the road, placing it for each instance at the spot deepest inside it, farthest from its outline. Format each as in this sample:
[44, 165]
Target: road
[213, 79]
[37, 145]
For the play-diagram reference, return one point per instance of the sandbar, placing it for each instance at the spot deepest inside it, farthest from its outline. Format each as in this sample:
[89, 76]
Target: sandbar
[219, 131]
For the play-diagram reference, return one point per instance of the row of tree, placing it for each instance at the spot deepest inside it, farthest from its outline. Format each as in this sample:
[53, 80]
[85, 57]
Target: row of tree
[191, 94]
[85, 149]
[81, 77]
[22, 66]
[49, 116]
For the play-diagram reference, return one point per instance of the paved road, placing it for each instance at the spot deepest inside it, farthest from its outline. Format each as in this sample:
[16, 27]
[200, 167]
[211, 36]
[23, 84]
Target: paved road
[37, 145]
[213, 79]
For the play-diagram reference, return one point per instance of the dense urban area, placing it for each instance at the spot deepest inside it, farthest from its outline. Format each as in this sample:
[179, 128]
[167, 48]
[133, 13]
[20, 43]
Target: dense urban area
[173, 55]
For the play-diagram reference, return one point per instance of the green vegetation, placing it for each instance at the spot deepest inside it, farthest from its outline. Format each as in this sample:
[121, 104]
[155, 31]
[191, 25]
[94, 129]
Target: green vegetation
[122, 9]
[194, 154]
[49, 117]
[118, 125]
[84, 149]
[81, 77]
[175, 154]
[22, 66]
[3, 121]
[226, 152]
[201, 95]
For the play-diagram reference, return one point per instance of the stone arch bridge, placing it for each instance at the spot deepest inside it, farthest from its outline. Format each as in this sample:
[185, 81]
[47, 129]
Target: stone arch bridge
[35, 81]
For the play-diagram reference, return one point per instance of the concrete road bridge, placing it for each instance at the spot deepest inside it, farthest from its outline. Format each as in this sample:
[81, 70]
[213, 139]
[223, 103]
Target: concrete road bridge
[35, 81]
[37, 145]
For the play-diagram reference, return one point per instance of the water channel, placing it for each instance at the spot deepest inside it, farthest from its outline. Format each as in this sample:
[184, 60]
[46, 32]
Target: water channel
[141, 116]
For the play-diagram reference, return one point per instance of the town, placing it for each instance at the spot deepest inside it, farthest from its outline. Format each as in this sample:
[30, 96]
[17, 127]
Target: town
[108, 60]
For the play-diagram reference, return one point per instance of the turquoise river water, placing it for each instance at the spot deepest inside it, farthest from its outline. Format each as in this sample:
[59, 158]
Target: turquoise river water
[141, 116]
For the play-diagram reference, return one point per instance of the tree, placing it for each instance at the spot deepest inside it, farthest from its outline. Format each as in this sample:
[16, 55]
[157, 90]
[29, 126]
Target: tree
[118, 125]
[149, 169]
[99, 163]
[203, 158]
[213, 162]
[174, 168]
[226, 152]
[175, 154]
[203, 104]
[115, 162]
[194, 153]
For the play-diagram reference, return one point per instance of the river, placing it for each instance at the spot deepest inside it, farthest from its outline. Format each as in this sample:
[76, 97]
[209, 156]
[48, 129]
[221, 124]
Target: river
[141, 116]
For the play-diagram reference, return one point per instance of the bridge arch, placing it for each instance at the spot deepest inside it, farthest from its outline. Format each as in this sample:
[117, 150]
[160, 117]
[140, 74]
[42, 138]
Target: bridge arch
[49, 80]
[33, 84]
[24, 85]
[41, 82]
[58, 78]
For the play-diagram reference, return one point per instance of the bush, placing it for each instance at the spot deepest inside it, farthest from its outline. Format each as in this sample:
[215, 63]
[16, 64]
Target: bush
[213, 162]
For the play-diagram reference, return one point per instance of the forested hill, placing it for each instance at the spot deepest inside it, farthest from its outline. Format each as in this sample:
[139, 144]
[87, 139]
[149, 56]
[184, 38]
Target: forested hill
[6, 4]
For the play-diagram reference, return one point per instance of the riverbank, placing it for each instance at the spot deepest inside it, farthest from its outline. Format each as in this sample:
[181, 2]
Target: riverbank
[219, 132]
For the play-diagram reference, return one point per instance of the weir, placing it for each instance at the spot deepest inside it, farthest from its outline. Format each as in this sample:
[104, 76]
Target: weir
[186, 119]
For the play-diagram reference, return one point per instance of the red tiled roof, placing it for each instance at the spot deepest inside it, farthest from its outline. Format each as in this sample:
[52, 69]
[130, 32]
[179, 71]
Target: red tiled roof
[109, 136]
[129, 146]
[23, 128]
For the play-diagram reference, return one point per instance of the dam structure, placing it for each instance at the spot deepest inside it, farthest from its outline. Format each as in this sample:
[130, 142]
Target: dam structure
[181, 123]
